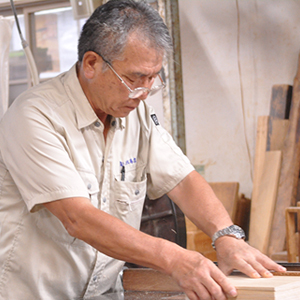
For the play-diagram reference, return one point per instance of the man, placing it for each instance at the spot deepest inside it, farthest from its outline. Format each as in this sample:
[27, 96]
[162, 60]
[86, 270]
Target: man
[78, 154]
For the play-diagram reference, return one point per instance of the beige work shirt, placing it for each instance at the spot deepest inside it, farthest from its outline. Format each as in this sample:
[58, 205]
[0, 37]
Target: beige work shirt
[52, 147]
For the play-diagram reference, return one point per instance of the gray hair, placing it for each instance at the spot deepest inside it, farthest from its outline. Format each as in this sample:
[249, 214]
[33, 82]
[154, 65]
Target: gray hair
[107, 29]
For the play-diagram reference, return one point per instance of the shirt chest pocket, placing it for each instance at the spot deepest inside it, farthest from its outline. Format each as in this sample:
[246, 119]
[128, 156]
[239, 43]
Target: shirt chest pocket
[129, 200]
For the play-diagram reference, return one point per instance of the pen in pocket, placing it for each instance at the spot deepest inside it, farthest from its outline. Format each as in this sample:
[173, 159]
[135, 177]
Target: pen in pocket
[123, 173]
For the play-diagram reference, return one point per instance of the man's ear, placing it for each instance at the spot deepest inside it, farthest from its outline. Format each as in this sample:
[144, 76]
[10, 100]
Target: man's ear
[90, 63]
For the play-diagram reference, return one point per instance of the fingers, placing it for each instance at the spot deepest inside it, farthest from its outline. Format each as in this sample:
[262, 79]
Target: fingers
[271, 265]
[226, 285]
[199, 293]
[248, 260]
[200, 279]
[208, 283]
[209, 291]
[262, 264]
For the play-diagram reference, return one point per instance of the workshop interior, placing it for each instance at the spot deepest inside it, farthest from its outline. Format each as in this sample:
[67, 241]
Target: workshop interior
[232, 104]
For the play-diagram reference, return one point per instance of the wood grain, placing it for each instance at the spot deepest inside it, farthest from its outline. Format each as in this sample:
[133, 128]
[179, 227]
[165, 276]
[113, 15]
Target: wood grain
[262, 206]
[277, 133]
[260, 150]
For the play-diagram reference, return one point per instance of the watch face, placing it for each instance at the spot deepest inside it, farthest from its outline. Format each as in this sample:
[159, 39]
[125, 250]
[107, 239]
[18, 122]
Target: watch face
[237, 232]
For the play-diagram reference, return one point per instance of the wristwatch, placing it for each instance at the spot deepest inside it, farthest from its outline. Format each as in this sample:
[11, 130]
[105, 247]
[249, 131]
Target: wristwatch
[233, 230]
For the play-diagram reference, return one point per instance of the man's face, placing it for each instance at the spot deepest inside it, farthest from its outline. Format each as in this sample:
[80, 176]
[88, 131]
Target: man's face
[138, 68]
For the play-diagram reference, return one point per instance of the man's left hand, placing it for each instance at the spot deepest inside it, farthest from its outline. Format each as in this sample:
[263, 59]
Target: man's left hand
[237, 254]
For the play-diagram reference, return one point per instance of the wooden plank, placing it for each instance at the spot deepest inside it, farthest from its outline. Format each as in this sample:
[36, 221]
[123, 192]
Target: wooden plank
[289, 177]
[227, 193]
[277, 133]
[281, 101]
[262, 207]
[277, 287]
[260, 150]
[242, 216]
[279, 110]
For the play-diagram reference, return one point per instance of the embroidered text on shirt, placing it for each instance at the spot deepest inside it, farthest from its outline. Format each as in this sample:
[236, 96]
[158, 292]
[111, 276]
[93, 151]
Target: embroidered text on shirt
[155, 119]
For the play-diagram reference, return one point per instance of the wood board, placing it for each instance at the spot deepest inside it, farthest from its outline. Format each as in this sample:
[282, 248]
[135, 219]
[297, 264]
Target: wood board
[277, 133]
[227, 193]
[260, 150]
[275, 288]
[281, 101]
[263, 204]
[242, 216]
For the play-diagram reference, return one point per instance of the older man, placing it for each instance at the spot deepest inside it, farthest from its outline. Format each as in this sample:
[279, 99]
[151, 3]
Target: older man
[79, 153]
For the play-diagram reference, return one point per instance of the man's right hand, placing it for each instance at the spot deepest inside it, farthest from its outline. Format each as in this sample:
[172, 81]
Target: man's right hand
[199, 277]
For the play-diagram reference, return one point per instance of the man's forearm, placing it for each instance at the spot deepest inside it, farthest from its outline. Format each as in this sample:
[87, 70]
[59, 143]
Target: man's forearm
[112, 236]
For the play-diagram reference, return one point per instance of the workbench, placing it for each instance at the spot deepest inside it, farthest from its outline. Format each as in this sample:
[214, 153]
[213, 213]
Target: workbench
[150, 284]
[144, 295]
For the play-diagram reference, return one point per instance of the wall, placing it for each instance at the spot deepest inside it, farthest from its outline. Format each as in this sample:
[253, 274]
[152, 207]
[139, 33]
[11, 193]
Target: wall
[233, 52]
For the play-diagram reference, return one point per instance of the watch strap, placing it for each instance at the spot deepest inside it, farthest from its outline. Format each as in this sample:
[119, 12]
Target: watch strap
[232, 230]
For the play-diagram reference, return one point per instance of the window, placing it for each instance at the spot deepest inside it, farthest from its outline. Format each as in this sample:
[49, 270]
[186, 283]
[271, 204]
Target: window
[52, 34]
[54, 40]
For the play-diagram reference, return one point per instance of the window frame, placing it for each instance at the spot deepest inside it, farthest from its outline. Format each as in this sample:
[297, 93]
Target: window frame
[27, 9]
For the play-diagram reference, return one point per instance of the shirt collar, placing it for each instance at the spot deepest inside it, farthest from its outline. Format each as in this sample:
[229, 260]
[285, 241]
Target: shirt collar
[85, 114]
[120, 123]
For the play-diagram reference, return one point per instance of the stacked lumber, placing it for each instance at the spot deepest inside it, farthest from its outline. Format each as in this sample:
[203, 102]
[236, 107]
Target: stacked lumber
[276, 168]
[237, 207]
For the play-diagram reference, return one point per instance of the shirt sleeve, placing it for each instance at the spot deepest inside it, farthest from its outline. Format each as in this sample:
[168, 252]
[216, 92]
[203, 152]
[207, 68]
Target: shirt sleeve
[37, 157]
[167, 164]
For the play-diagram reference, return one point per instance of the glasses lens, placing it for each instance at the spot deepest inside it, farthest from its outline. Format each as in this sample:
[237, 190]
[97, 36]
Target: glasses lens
[138, 92]
[155, 89]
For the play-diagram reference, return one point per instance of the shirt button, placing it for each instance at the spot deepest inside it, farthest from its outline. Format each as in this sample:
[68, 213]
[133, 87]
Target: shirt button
[97, 124]
[137, 192]
[94, 278]
[113, 123]
[89, 186]
[104, 199]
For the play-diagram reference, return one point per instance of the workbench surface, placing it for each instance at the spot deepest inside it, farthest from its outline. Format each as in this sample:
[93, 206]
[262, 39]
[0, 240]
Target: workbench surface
[153, 296]
[135, 295]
